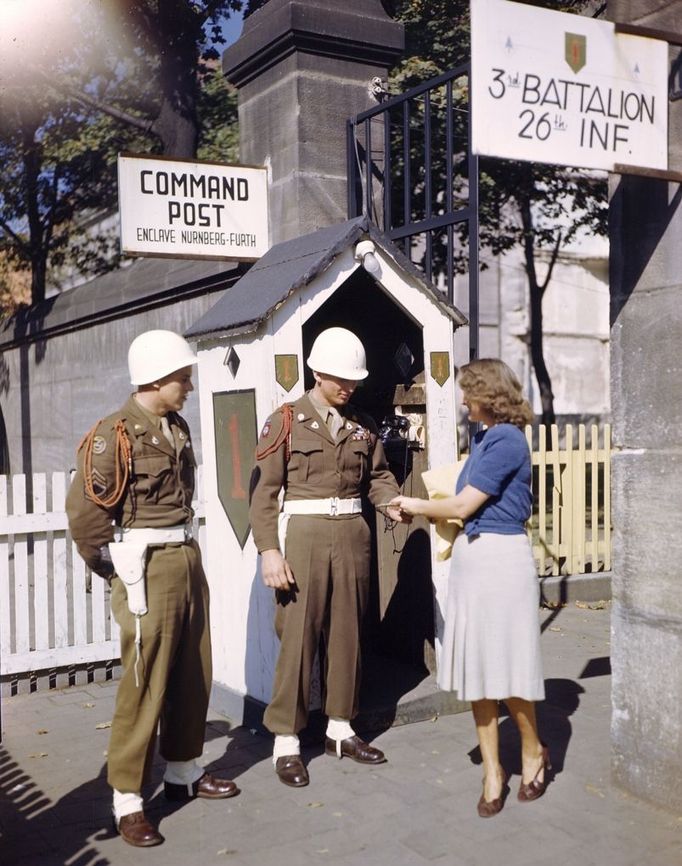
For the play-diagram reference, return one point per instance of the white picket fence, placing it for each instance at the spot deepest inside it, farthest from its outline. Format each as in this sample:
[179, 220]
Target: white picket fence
[54, 615]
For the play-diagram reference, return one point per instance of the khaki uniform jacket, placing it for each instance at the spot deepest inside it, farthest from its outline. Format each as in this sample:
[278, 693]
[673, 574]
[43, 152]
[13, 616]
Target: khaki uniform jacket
[318, 467]
[159, 491]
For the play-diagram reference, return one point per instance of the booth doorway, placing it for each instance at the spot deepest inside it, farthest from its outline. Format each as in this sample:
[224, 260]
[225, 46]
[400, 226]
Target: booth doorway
[398, 645]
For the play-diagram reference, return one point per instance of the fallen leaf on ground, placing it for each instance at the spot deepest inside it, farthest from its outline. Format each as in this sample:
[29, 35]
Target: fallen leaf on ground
[315, 805]
[38, 755]
[42, 731]
[102, 725]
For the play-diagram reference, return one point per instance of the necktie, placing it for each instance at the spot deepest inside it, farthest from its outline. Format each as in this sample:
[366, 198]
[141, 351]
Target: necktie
[166, 430]
[334, 422]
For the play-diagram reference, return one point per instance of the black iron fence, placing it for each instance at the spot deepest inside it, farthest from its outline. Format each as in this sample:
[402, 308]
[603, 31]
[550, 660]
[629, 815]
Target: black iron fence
[411, 170]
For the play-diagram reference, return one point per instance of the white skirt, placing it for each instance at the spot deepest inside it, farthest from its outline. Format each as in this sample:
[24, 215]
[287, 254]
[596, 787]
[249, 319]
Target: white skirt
[491, 641]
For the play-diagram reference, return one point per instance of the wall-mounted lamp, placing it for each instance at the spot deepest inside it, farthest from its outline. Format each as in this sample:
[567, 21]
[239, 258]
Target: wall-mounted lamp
[365, 253]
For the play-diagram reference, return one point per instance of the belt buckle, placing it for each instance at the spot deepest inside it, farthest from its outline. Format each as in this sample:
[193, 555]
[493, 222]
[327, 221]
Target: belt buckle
[189, 534]
[334, 506]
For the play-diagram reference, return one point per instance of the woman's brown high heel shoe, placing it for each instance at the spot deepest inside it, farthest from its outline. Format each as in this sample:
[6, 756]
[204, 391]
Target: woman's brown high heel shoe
[486, 809]
[536, 788]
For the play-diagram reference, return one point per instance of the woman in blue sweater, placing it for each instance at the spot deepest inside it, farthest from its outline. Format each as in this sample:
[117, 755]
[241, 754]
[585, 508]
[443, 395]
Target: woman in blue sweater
[491, 644]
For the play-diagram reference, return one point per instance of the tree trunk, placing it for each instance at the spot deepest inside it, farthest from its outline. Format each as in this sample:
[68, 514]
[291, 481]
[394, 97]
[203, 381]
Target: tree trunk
[537, 354]
[178, 40]
[177, 131]
[38, 255]
[536, 295]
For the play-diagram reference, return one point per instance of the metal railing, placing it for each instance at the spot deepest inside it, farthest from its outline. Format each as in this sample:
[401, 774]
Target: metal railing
[412, 172]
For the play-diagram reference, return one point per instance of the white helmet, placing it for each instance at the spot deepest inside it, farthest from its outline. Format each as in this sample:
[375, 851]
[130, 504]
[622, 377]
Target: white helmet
[338, 352]
[155, 354]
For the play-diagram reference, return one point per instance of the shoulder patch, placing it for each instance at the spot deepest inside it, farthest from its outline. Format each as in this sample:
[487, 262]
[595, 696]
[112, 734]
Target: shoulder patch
[99, 445]
[265, 432]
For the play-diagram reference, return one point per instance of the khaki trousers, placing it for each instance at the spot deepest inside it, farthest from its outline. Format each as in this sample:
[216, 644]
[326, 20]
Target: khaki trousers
[330, 558]
[174, 670]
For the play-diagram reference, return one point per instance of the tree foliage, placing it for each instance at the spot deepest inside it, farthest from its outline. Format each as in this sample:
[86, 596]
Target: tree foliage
[98, 79]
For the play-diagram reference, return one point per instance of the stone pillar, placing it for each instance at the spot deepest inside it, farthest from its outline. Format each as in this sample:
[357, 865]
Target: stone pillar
[646, 395]
[303, 67]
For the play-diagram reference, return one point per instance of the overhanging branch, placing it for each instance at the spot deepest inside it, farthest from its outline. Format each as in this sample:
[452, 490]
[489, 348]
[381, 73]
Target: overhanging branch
[15, 237]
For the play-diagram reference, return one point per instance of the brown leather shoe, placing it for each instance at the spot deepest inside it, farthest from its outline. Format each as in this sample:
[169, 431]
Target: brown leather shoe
[136, 830]
[354, 748]
[207, 787]
[291, 770]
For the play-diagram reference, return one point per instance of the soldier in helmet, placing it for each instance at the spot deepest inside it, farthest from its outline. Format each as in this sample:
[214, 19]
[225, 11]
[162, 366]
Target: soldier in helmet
[327, 458]
[130, 512]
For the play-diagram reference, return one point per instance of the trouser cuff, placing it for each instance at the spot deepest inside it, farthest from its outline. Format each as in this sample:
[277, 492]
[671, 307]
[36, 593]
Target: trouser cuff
[183, 772]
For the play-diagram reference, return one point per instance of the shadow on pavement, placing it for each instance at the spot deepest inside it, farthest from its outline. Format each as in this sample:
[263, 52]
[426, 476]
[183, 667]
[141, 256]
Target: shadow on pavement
[562, 699]
[34, 830]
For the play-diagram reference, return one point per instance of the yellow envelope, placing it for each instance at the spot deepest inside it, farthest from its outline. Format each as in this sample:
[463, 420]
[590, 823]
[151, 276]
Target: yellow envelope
[440, 483]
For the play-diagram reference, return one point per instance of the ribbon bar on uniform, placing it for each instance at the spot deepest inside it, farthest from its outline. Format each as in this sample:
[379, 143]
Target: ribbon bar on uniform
[332, 507]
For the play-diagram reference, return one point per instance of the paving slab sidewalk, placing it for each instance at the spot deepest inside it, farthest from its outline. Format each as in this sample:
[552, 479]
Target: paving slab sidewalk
[419, 808]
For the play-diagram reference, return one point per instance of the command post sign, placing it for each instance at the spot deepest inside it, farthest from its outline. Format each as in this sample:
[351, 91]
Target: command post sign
[559, 88]
[193, 210]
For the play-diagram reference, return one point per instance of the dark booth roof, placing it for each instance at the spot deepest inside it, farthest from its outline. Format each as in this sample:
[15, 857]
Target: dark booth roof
[289, 266]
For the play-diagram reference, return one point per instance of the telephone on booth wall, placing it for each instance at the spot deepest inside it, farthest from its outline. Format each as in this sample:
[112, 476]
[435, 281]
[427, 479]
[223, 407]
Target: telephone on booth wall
[401, 435]
[401, 432]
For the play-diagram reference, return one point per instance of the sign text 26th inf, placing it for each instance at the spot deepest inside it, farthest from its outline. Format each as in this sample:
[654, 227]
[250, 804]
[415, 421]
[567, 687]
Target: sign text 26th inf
[605, 113]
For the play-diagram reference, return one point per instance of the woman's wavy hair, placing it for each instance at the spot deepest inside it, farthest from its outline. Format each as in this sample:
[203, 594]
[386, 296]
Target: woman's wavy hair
[491, 383]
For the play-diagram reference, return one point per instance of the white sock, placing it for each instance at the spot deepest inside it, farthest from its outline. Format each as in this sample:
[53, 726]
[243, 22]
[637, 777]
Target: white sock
[126, 804]
[285, 744]
[183, 772]
[339, 729]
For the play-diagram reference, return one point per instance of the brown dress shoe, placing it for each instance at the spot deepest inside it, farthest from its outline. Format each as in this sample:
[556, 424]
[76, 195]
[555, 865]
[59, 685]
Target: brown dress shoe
[136, 830]
[207, 787]
[291, 770]
[355, 748]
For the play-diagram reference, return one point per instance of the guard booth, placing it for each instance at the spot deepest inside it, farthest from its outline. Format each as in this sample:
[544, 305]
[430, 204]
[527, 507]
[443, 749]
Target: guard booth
[252, 347]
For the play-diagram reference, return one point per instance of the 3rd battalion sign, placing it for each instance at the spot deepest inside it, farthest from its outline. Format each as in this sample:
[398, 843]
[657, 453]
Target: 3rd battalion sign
[558, 88]
[192, 209]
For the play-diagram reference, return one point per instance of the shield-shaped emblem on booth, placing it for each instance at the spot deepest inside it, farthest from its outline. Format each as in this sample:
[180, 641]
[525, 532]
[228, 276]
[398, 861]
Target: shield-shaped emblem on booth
[234, 419]
[286, 371]
[576, 51]
[440, 367]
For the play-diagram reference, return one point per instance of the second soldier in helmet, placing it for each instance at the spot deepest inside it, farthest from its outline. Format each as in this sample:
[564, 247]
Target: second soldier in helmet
[327, 457]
